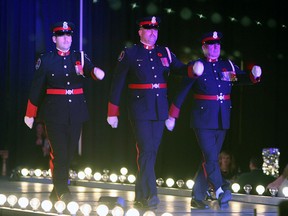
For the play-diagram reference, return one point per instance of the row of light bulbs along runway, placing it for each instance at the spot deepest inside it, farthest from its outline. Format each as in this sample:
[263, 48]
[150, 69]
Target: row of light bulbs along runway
[72, 207]
[124, 177]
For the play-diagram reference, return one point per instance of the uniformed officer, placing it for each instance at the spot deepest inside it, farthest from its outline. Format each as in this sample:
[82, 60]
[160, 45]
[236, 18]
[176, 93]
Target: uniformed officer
[58, 87]
[210, 114]
[145, 67]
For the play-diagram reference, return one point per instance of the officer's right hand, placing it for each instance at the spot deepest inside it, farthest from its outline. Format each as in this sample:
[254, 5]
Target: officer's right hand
[113, 121]
[29, 121]
[198, 68]
[170, 123]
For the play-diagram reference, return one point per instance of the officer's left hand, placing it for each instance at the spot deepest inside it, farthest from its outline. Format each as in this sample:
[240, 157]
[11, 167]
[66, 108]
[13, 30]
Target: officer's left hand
[29, 121]
[170, 123]
[256, 71]
[99, 73]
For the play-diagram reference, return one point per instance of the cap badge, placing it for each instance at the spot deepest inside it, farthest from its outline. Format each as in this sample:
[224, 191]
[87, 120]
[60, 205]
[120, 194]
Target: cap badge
[215, 35]
[153, 20]
[65, 25]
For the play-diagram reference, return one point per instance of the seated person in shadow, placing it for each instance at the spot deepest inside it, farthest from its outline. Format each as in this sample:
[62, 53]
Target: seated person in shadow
[228, 166]
[255, 176]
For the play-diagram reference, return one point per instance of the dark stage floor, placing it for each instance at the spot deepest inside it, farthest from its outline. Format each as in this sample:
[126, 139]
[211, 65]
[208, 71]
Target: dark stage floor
[173, 201]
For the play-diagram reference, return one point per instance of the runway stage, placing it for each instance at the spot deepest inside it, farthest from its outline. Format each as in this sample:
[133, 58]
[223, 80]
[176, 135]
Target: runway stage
[173, 201]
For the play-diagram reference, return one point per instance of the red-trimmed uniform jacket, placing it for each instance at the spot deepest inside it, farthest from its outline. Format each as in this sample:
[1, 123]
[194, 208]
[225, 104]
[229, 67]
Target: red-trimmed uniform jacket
[217, 80]
[54, 71]
[137, 65]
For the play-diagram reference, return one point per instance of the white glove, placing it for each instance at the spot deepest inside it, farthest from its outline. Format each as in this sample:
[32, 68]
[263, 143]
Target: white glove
[198, 68]
[170, 123]
[29, 121]
[99, 73]
[256, 71]
[113, 121]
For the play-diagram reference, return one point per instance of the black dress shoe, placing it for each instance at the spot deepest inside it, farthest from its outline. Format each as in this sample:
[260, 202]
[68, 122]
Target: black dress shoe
[66, 197]
[224, 198]
[153, 201]
[198, 204]
[53, 197]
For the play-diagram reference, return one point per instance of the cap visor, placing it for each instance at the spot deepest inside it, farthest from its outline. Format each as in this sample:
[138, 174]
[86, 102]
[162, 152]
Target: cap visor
[212, 42]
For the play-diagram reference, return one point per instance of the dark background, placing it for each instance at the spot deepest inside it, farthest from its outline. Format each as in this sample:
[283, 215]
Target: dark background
[259, 117]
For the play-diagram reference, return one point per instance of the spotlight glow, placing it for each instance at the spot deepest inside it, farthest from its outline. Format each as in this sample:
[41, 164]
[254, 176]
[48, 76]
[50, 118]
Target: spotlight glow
[60, 206]
[23, 202]
[46, 205]
[235, 187]
[86, 209]
[260, 189]
[3, 199]
[102, 210]
[12, 200]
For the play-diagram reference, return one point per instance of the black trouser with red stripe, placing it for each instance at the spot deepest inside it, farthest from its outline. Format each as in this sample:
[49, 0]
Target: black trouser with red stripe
[64, 139]
[148, 137]
[210, 142]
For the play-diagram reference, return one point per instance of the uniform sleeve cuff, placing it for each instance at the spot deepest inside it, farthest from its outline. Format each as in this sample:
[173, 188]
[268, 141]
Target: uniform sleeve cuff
[113, 110]
[174, 111]
[31, 110]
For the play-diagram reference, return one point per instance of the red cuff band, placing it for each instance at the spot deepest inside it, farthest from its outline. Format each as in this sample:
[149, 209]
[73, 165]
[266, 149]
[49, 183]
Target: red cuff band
[31, 110]
[113, 110]
[174, 111]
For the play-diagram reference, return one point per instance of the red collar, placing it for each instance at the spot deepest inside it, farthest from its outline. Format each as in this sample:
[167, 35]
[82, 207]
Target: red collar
[212, 60]
[61, 53]
[148, 47]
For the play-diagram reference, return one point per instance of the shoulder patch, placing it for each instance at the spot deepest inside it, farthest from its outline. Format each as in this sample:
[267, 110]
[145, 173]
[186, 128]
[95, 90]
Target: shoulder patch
[121, 56]
[38, 63]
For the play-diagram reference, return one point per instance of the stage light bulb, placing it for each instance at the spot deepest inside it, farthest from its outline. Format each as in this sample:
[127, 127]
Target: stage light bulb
[45, 173]
[12, 200]
[159, 182]
[235, 187]
[23, 202]
[97, 176]
[3, 199]
[24, 172]
[86, 209]
[113, 177]
[247, 188]
[31, 172]
[190, 183]
[37, 172]
[170, 182]
[123, 171]
[73, 207]
[60, 206]
[166, 214]
[122, 178]
[285, 191]
[81, 175]
[149, 213]
[260, 189]
[88, 171]
[117, 211]
[180, 183]
[132, 212]
[131, 178]
[102, 210]
[35, 203]
[50, 173]
[273, 191]
[46, 205]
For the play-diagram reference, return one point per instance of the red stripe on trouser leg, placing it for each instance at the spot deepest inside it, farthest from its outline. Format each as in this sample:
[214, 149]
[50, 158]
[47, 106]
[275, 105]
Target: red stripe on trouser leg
[137, 157]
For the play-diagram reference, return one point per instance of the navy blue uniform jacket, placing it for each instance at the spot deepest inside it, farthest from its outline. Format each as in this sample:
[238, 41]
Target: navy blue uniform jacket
[58, 72]
[137, 65]
[211, 114]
